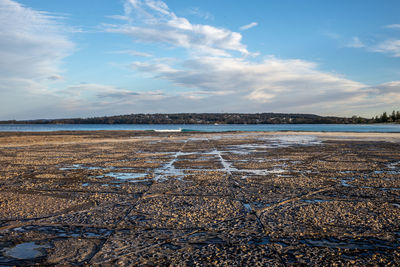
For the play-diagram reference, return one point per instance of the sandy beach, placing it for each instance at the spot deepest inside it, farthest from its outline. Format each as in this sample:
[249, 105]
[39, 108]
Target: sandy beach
[236, 198]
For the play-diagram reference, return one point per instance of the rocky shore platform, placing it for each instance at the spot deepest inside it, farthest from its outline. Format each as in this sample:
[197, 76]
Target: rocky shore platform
[107, 198]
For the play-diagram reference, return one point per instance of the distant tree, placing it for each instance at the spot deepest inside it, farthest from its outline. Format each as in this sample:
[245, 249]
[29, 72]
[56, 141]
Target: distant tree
[393, 116]
[398, 116]
[384, 117]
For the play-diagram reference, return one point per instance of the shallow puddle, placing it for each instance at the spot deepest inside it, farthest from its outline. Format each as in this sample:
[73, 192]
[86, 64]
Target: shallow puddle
[208, 241]
[169, 169]
[26, 251]
[247, 207]
[394, 165]
[65, 231]
[203, 239]
[171, 246]
[278, 141]
[125, 176]
[347, 172]
[388, 188]
[262, 241]
[315, 200]
[366, 244]
[387, 172]
[140, 218]
[80, 166]
[265, 172]
[344, 182]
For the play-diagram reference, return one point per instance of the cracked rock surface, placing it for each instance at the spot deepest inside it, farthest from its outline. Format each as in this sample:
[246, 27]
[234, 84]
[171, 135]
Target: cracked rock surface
[144, 198]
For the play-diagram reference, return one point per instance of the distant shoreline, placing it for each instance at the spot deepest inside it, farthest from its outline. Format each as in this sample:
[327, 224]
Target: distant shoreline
[204, 118]
[206, 128]
[29, 123]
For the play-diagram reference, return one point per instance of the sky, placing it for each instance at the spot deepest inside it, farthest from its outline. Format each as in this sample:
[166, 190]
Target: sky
[86, 58]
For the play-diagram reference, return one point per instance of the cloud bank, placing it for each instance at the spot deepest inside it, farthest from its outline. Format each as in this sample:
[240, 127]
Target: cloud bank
[32, 46]
[391, 47]
[152, 21]
[215, 73]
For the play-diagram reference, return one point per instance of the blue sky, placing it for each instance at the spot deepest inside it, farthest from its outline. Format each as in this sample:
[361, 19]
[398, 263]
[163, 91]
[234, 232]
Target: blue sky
[94, 58]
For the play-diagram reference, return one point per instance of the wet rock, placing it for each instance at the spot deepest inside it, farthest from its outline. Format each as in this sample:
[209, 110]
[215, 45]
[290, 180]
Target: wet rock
[201, 198]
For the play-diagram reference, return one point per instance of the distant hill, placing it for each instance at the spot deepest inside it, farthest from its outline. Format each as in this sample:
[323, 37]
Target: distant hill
[202, 118]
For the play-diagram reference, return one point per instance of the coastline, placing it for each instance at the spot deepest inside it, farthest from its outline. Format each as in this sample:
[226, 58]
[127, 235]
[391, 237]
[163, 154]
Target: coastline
[204, 127]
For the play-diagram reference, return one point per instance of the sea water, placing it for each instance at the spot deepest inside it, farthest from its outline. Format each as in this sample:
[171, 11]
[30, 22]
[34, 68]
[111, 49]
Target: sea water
[381, 128]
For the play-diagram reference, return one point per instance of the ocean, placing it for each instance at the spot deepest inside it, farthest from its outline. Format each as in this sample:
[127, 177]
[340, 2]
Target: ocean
[381, 128]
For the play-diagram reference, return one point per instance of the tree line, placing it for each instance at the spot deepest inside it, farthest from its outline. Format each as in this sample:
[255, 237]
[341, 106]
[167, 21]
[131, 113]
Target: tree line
[217, 118]
[394, 117]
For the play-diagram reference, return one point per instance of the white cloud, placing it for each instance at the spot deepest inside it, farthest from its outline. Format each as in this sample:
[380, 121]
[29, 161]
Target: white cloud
[355, 43]
[391, 46]
[32, 46]
[118, 17]
[267, 81]
[248, 26]
[152, 21]
[216, 76]
[103, 99]
[134, 53]
[270, 80]
[95, 93]
[235, 83]
[200, 13]
[32, 43]
[393, 26]
[389, 87]
[153, 67]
